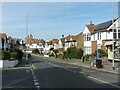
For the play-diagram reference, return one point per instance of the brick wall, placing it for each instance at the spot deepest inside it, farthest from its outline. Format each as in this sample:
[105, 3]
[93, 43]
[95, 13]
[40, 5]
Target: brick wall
[94, 46]
[103, 45]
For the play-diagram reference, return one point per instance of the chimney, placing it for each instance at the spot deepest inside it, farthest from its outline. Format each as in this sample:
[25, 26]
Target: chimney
[62, 36]
[91, 22]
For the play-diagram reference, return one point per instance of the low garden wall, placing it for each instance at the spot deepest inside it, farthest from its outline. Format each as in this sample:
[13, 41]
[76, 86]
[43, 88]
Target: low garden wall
[8, 63]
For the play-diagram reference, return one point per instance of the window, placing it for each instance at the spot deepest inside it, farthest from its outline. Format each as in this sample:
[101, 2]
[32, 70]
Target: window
[85, 37]
[88, 37]
[118, 34]
[94, 36]
[99, 36]
[115, 34]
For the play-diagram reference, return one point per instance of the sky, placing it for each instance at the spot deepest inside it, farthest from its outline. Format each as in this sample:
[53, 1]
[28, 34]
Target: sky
[48, 20]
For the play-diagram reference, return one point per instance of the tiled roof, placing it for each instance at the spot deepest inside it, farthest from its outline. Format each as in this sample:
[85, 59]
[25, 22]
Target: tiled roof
[55, 41]
[91, 27]
[79, 34]
[49, 42]
[33, 41]
[74, 37]
[71, 37]
[68, 38]
[3, 35]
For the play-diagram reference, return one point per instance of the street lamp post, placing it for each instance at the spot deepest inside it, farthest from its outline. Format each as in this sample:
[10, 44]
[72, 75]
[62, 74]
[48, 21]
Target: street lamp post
[27, 33]
[113, 64]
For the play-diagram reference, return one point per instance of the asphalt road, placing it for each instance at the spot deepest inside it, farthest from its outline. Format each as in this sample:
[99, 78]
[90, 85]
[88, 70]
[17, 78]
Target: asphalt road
[44, 73]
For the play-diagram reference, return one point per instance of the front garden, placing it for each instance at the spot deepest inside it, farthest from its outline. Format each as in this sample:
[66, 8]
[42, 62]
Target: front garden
[10, 58]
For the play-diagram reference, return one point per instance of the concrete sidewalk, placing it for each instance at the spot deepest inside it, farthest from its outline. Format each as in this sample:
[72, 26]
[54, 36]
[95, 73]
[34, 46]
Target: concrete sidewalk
[107, 67]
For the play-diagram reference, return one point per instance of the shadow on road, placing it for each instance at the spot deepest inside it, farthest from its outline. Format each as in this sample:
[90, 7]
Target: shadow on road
[55, 77]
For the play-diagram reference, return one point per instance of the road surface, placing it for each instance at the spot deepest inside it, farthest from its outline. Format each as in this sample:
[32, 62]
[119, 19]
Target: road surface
[44, 73]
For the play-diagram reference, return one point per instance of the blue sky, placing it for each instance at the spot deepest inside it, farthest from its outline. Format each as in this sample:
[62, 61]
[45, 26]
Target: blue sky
[48, 20]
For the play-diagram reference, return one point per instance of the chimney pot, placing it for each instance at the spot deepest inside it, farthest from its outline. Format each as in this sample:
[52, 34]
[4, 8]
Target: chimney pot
[90, 22]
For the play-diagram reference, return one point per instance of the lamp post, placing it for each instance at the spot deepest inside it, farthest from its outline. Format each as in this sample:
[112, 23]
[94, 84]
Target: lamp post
[113, 64]
[27, 33]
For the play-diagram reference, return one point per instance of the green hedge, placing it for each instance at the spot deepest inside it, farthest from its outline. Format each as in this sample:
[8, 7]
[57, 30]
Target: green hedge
[4, 55]
[11, 54]
[20, 54]
[35, 51]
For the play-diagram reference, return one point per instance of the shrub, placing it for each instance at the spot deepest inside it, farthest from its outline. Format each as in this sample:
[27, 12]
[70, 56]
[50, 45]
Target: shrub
[60, 56]
[70, 53]
[35, 51]
[56, 53]
[19, 54]
[4, 55]
[79, 53]
[51, 55]
[13, 55]
[87, 57]
[102, 53]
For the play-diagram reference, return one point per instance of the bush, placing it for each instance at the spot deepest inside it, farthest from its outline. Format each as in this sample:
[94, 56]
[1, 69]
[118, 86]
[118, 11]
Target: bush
[14, 55]
[87, 57]
[70, 53]
[102, 53]
[60, 56]
[35, 51]
[56, 53]
[19, 54]
[4, 55]
[51, 55]
[11, 54]
[79, 53]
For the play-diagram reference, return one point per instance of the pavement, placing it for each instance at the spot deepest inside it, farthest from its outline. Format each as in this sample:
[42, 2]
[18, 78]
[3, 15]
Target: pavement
[107, 66]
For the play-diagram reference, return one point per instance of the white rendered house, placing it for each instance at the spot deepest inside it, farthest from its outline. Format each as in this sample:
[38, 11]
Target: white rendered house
[100, 36]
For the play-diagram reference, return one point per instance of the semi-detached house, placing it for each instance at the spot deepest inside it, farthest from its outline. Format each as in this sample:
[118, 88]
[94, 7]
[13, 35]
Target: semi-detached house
[100, 36]
[3, 41]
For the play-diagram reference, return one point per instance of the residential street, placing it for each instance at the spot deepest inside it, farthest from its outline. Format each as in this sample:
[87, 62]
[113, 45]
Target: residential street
[44, 73]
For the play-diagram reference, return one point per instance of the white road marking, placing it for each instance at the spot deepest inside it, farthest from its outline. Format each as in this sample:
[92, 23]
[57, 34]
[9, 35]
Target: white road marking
[54, 65]
[36, 82]
[70, 70]
[104, 81]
